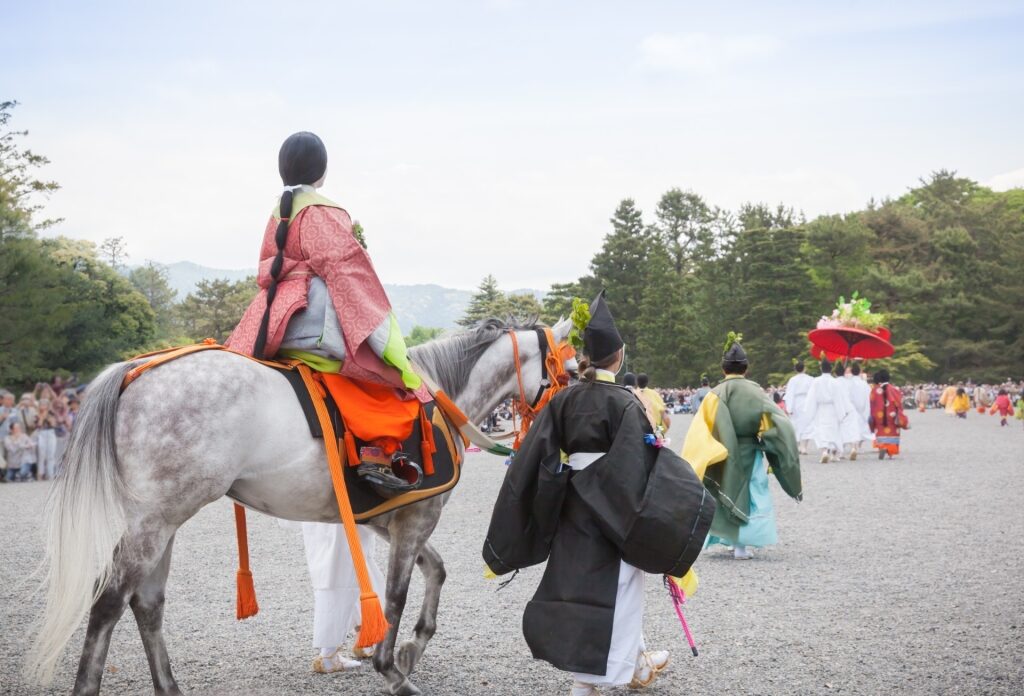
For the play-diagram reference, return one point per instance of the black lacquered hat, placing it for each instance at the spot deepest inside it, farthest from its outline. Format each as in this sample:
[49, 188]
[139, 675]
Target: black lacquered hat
[601, 339]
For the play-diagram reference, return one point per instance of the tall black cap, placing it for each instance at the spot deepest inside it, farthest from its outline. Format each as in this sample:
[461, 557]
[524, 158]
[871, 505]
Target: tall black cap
[601, 339]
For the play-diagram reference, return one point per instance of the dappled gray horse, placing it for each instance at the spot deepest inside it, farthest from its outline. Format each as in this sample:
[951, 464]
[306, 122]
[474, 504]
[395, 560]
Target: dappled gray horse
[141, 463]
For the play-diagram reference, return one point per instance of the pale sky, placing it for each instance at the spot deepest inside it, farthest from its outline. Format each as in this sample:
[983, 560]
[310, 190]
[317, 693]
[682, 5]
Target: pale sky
[498, 137]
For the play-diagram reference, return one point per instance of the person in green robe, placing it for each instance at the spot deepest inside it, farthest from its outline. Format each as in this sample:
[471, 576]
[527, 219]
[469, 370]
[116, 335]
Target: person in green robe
[734, 437]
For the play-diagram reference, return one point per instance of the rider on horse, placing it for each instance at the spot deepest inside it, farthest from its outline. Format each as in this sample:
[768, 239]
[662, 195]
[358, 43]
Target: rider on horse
[321, 301]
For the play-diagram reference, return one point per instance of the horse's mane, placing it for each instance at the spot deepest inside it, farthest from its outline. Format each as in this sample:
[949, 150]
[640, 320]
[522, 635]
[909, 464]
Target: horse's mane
[449, 360]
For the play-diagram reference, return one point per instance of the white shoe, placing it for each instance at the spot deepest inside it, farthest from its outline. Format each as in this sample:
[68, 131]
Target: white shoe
[648, 665]
[581, 689]
[326, 664]
[744, 555]
[825, 457]
[853, 455]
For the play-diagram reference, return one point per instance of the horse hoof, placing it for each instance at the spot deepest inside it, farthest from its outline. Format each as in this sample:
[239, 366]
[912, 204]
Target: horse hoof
[406, 688]
[408, 657]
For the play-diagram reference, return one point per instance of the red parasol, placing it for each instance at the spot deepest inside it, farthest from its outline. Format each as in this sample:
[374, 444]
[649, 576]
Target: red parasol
[849, 342]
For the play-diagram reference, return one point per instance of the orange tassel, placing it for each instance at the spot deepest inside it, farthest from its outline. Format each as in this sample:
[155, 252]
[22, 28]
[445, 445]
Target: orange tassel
[245, 590]
[427, 446]
[246, 605]
[375, 626]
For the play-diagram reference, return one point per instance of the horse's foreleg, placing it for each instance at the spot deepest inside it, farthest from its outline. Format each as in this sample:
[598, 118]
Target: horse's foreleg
[148, 606]
[408, 530]
[136, 557]
[432, 567]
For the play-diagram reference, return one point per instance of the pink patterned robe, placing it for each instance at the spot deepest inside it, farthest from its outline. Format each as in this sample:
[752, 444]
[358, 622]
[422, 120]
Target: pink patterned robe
[320, 243]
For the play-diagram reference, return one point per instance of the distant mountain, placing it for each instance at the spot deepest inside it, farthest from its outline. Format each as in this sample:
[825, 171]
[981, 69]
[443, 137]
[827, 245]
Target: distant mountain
[422, 305]
[185, 275]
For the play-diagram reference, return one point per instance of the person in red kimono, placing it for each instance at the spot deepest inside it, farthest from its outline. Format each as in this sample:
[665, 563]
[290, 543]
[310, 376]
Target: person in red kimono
[887, 417]
[1003, 406]
[320, 299]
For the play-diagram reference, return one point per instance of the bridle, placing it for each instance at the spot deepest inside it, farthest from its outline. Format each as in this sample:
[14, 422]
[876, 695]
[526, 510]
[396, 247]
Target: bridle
[554, 378]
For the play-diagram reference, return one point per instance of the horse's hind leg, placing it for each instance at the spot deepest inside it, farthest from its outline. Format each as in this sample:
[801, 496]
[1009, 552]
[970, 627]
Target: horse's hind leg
[148, 606]
[432, 567]
[135, 558]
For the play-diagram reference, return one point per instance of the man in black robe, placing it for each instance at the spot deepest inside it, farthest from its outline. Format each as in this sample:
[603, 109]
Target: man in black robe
[588, 493]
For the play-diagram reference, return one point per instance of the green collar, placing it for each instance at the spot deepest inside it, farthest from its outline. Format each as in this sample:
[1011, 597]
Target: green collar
[605, 376]
[303, 198]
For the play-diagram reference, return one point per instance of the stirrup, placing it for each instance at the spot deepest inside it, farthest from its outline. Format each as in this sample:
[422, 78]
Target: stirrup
[400, 474]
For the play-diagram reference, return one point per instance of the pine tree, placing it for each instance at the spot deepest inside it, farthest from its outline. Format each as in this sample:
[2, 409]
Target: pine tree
[487, 302]
[620, 267]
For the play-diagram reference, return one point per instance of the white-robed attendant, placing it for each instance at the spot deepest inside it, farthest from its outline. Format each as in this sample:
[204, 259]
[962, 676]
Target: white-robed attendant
[336, 590]
[827, 406]
[796, 404]
[855, 426]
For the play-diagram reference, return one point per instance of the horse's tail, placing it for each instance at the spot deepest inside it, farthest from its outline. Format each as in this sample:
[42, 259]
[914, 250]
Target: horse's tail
[84, 523]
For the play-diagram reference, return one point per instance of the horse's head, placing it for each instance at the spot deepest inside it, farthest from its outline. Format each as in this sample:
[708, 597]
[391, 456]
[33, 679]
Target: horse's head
[496, 360]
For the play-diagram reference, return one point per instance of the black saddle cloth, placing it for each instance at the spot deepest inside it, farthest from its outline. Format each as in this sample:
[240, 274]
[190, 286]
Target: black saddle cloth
[366, 502]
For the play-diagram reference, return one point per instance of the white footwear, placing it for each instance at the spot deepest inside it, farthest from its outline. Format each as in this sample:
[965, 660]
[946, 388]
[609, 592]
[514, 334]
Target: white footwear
[825, 457]
[648, 665]
[853, 455]
[363, 653]
[326, 664]
[742, 553]
[581, 689]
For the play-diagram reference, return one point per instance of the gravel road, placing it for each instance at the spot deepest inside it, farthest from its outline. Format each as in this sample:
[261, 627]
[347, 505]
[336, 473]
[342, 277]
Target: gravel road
[891, 577]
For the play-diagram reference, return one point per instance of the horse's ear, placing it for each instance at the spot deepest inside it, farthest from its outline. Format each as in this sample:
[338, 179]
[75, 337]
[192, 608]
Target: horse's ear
[561, 329]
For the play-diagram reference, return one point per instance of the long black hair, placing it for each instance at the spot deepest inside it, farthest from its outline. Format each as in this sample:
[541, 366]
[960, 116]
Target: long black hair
[301, 160]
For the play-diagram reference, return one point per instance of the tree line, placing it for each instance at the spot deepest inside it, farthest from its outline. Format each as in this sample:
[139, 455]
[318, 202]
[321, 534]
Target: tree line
[945, 261]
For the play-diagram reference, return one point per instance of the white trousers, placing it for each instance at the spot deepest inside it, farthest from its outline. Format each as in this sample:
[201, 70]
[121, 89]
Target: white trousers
[335, 587]
[627, 630]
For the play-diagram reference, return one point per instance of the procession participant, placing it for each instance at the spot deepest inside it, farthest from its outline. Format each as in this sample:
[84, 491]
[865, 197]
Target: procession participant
[1003, 406]
[737, 417]
[981, 397]
[855, 426]
[961, 403]
[796, 400]
[827, 406]
[336, 591]
[321, 300]
[582, 511]
[948, 396]
[652, 397]
[887, 417]
[698, 396]
[922, 398]
[1019, 408]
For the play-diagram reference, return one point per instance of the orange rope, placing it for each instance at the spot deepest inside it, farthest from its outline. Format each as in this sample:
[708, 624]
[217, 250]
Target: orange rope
[375, 625]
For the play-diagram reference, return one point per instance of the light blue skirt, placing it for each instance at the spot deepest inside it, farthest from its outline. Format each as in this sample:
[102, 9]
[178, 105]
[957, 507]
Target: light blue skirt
[760, 530]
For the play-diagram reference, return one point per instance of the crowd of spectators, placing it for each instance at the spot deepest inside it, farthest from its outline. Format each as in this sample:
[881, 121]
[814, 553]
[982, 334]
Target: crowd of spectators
[34, 430]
